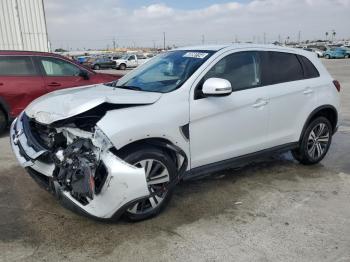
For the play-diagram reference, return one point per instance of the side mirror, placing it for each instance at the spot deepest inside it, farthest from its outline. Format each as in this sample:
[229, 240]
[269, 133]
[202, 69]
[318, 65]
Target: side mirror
[217, 87]
[84, 75]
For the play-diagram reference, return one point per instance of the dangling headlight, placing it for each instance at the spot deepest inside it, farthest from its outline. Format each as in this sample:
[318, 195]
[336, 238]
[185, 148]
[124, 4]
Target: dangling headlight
[101, 140]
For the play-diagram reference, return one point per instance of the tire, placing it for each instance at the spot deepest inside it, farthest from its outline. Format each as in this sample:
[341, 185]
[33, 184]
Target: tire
[315, 142]
[96, 67]
[327, 56]
[347, 56]
[122, 67]
[3, 121]
[161, 163]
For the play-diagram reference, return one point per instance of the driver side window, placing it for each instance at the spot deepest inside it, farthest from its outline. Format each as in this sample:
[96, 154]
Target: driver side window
[241, 69]
[58, 67]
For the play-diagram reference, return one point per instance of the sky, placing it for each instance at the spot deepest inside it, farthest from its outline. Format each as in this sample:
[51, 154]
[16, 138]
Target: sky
[90, 24]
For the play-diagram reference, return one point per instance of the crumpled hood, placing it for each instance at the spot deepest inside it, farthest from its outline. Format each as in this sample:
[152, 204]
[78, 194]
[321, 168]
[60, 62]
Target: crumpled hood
[66, 103]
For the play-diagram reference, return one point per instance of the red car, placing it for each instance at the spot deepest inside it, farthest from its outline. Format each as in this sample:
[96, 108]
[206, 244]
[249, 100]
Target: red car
[25, 75]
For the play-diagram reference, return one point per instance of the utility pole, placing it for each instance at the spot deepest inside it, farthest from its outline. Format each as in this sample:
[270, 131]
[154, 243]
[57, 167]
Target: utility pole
[114, 44]
[279, 39]
[264, 38]
[203, 39]
[299, 37]
[164, 40]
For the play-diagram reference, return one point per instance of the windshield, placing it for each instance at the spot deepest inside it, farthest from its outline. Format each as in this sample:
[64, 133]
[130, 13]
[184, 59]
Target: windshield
[164, 73]
[125, 56]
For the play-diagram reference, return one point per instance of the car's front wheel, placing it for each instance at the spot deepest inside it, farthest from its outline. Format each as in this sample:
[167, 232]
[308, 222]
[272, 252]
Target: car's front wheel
[327, 56]
[160, 170]
[97, 67]
[315, 142]
[122, 67]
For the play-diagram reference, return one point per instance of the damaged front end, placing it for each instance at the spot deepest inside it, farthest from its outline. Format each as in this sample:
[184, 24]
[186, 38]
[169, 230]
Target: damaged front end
[74, 159]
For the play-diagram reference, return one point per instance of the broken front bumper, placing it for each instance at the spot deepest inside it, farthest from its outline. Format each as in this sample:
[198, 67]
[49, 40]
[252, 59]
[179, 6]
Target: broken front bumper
[124, 185]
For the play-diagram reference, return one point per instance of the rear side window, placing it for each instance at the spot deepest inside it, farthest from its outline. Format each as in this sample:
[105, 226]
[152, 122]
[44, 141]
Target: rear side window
[16, 66]
[281, 67]
[310, 70]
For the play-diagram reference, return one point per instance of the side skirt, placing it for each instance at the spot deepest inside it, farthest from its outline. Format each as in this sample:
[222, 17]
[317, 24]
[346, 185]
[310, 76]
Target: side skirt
[237, 161]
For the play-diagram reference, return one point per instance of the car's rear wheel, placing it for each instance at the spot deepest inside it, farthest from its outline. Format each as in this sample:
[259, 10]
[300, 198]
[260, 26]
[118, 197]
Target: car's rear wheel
[328, 56]
[315, 142]
[122, 67]
[97, 67]
[3, 121]
[160, 171]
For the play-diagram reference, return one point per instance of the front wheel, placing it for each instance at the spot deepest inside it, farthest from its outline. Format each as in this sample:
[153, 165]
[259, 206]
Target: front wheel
[160, 170]
[122, 67]
[315, 142]
[97, 67]
[327, 56]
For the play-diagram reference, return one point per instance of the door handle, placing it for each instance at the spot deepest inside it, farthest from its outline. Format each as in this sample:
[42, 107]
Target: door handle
[54, 84]
[308, 91]
[260, 103]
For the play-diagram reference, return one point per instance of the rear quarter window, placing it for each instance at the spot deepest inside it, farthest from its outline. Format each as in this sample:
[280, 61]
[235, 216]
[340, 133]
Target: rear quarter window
[310, 70]
[280, 67]
[16, 66]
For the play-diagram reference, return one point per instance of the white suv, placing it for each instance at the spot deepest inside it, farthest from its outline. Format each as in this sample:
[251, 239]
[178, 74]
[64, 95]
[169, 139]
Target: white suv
[120, 148]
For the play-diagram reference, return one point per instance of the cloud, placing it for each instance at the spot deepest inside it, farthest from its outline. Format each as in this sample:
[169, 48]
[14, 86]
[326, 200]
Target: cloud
[94, 24]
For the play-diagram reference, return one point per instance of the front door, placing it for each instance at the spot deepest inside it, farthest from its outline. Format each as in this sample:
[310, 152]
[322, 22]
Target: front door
[222, 128]
[60, 74]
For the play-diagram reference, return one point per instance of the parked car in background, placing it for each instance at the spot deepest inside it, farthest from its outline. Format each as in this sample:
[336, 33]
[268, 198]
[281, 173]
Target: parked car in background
[24, 76]
[121, 148]
[318, 52]
[130, 61]
[100, 63]
[82, 59]
[336, 52]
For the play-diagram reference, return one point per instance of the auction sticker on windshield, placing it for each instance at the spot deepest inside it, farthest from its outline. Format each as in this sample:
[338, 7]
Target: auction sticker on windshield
[195, 55]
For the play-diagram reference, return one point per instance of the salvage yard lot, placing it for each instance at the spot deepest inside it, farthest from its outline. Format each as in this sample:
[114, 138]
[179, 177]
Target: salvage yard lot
[277, 210]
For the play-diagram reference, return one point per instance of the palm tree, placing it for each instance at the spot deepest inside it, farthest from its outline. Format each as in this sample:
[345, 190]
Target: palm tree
[326, 36]
[334, 34]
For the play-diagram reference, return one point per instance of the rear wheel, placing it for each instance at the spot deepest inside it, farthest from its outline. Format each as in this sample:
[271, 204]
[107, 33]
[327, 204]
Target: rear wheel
[160, 171]
[328, 56]
[3, 121]
[97, 67]
[315, 142]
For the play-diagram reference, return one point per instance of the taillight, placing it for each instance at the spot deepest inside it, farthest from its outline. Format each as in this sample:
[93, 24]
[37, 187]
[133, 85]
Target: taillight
[337, 85]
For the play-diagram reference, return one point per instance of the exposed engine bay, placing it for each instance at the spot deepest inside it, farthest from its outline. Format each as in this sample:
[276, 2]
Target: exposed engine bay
[84, 168]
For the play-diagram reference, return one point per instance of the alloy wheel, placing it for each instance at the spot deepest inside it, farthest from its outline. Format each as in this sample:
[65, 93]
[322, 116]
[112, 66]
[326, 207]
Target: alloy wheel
[157, 176]
[318, 141]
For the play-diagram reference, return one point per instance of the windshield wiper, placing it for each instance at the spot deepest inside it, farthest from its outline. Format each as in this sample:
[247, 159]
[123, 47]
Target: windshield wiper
[129, 87]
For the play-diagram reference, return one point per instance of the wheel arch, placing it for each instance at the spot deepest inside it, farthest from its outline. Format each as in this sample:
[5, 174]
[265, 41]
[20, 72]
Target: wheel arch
[173, 150]
[328, 111]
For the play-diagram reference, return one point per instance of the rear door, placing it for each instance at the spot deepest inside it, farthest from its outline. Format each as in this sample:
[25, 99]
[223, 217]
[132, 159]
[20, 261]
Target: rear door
[291, 96]
[20, 82]
[60, 74]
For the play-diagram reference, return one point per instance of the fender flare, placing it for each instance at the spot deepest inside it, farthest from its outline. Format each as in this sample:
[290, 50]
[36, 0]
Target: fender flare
[314, 112]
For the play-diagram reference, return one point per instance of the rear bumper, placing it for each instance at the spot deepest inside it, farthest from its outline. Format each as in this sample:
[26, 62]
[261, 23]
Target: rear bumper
[124, 185]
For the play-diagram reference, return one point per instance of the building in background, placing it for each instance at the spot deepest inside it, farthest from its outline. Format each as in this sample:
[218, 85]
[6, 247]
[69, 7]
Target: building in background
[23, 25]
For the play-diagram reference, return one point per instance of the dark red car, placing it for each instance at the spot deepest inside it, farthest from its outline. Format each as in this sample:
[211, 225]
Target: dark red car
[25, 75]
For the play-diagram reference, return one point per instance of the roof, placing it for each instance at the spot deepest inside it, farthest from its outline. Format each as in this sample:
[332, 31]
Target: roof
[244, 45]
[18, 52]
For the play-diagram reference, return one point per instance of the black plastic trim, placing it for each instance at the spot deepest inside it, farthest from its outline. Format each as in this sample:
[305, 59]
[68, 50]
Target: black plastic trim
[313, 113]
[237, 161]
[185, 130]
